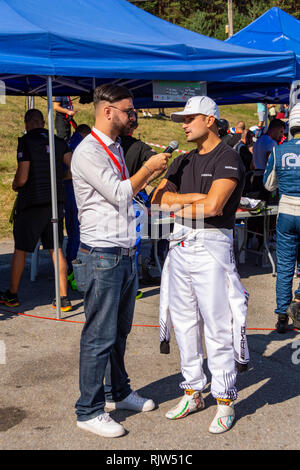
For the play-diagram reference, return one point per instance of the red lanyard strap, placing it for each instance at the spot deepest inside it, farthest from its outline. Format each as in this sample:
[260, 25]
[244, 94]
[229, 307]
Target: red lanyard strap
[111, 155]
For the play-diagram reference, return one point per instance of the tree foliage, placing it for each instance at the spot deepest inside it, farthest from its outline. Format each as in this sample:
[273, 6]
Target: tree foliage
[210, 18]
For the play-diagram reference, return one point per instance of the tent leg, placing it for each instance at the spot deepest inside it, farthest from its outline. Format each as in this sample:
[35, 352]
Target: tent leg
[266, 119]
[54, 195]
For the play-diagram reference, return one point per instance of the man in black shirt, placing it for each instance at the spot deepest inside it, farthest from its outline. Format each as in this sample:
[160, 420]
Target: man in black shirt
[136, 152]
[243, 148]
[33, 212]
[204, 188]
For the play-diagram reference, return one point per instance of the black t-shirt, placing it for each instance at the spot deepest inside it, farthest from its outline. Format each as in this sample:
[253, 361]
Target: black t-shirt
[136, 153]
[34, 147]
[41, 137]
[195, 173]
[246, 157]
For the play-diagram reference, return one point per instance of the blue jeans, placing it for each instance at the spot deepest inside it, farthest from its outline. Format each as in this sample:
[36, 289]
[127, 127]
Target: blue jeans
[287, 242]
[109, 306]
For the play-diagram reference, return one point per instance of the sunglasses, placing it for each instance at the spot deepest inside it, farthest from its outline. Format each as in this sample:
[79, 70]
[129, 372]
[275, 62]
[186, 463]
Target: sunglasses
[130, 113]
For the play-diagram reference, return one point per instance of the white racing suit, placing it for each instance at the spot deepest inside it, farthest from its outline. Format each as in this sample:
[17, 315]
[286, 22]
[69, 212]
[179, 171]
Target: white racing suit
[201, 292]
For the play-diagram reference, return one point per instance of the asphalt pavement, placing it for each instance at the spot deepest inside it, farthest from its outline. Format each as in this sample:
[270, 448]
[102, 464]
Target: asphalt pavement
[39, 357]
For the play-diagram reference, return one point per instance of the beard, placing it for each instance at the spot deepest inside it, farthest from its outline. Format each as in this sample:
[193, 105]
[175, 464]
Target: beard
[119, 127]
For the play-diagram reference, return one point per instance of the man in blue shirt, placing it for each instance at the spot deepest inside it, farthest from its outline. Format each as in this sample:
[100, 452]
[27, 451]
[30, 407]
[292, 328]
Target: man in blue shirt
[283, 171]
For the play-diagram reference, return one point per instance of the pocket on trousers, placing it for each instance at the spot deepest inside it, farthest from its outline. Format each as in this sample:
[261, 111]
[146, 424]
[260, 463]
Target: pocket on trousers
[107, 261]
[80, 274]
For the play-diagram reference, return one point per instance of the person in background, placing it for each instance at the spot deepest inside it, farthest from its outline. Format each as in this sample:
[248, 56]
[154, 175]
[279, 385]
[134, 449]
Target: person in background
[161, 112]
[146, 113]
[71, 212]
[261, 152]
[64, 116]
[261, 112]
[283, 172]
[234, 137]
[272, 113]
[223, 128]
[136, 153]
[33, 213]
[245, 150]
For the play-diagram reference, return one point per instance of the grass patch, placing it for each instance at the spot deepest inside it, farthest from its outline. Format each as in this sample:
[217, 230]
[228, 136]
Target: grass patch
[153, 130]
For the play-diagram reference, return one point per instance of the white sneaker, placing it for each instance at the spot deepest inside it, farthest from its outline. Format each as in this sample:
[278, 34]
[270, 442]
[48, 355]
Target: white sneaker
[223, 420]
[103, 425]
[132, 402]
[188, 404]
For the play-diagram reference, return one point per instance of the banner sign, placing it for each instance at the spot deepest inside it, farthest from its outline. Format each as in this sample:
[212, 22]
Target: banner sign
[177, 91]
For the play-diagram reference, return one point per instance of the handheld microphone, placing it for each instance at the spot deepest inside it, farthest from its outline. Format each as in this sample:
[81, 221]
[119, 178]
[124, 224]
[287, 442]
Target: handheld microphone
[171, 147]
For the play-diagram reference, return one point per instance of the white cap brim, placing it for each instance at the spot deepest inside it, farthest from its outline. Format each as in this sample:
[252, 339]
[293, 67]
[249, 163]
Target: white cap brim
[179, 117]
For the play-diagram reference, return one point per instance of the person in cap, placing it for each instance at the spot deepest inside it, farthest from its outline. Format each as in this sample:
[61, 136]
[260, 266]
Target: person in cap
[283, 172]
[203, 188]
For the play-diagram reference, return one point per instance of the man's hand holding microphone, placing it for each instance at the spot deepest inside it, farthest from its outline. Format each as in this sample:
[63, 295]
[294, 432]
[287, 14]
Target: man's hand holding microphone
[153, 167]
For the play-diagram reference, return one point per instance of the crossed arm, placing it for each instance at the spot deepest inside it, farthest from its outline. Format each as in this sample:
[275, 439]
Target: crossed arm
[187, 205]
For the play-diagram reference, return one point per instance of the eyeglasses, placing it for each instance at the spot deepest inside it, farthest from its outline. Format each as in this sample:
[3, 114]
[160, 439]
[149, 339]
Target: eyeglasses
[130, 113]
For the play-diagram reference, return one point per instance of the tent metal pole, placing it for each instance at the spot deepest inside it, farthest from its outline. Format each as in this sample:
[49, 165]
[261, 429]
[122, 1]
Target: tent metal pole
[266, 118]
[53, 194]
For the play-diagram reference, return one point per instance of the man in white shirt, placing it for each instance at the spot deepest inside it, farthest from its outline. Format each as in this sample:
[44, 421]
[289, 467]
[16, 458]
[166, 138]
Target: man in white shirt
[106, 265]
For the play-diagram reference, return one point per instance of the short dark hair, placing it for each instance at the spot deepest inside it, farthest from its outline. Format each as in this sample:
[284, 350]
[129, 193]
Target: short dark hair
[33, 115]
[276, 124]
[111, 93]
[83, 129]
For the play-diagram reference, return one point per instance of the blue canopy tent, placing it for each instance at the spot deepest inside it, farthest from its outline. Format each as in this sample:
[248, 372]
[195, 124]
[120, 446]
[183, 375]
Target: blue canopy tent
[82, 43]
[275, 31]
[66, 47]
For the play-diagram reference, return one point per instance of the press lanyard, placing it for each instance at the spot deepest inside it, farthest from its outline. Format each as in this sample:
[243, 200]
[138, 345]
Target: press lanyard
[112, 156]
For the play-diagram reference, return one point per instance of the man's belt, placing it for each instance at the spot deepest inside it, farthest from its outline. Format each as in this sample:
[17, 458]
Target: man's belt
[117, 250]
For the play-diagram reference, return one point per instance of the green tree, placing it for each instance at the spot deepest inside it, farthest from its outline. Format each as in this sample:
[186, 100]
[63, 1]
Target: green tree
[210, 18]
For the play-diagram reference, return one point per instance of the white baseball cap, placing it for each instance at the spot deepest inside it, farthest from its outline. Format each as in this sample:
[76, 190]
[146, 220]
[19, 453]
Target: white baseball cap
[197, 105]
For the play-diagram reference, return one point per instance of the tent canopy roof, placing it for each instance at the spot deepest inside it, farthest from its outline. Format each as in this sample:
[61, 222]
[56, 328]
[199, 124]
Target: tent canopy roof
[275, 31]
[115, 39]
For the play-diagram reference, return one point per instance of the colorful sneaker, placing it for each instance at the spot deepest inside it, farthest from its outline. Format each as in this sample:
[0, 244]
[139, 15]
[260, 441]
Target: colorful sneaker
[65, 304]
[224, 418]
[139, 294]
[103, 425]
[191, 401]
[72, 281]
[9, 299]
[132, 402]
